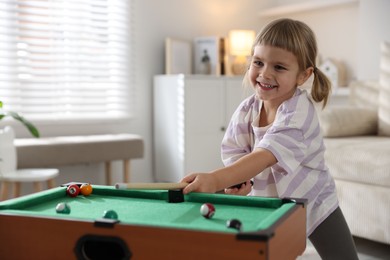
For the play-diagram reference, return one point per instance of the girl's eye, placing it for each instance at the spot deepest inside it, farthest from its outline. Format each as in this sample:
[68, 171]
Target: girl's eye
[257, 63]
[278, 67]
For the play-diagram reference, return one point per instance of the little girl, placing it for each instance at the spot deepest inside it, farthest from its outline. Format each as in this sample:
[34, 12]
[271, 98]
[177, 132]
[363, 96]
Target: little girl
[274, 137]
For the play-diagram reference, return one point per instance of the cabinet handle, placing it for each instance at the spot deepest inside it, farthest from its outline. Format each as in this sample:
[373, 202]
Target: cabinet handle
[223, 129]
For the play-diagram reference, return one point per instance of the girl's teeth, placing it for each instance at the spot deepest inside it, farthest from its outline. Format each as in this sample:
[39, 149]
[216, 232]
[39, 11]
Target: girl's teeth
[267, 86]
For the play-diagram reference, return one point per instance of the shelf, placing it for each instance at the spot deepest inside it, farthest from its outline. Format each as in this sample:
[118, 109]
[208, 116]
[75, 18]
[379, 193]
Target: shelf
[303, 6]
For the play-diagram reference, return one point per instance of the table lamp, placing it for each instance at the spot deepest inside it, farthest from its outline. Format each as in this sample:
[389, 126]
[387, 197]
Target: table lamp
[240, 44]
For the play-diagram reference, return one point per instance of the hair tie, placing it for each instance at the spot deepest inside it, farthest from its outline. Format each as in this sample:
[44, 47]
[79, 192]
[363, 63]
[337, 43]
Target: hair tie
[315, 69]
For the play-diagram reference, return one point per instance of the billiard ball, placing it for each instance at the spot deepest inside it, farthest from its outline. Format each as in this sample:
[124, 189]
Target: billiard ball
[86, 189]
[110, 214]
[234, 223]
[207, 210]
[73, 190]
[63, 208]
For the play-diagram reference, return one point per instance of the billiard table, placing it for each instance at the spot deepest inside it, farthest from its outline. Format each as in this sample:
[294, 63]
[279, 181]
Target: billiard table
[150, 225]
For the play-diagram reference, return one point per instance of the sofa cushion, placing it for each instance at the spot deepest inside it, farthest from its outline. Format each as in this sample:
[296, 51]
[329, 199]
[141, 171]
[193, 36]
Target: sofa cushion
[384, 92]
[366, 210]
[341, 121]
[364, 93]
[363, 159]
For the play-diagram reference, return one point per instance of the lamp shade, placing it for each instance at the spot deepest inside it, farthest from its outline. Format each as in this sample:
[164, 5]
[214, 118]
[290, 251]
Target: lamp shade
[240, 42]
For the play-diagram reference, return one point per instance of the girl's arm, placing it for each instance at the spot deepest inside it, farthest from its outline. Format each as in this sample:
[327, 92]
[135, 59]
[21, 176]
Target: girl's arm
[242, 170]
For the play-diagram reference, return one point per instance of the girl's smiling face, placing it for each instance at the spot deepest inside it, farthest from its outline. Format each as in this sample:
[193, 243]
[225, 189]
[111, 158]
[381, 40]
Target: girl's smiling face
[274, 73]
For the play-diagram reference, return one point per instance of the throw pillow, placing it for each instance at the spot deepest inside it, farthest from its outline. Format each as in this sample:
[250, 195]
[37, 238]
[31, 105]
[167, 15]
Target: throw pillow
[384, 91]
[342, 121]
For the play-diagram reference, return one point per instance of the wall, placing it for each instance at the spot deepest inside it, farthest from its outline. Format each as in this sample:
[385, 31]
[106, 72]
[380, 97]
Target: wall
[156, 20]
[349, 32]
[335, 29]
[373, 27]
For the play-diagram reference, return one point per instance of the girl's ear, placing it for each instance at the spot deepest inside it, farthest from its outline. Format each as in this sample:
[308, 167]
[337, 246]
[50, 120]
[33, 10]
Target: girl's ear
[304, 75]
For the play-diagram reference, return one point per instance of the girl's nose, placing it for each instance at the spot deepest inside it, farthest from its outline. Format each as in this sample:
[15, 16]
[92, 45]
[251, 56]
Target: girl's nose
[265, 72]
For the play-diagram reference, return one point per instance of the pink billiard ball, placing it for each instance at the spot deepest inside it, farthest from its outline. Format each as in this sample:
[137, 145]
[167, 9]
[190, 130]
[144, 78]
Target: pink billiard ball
[207, 210]
[73, 190]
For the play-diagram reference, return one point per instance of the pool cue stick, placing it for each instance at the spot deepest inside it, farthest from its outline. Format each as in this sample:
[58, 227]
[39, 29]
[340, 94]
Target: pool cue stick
[151, 186]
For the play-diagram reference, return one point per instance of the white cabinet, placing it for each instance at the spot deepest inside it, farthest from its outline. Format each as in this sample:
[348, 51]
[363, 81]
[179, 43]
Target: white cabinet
[191, 113]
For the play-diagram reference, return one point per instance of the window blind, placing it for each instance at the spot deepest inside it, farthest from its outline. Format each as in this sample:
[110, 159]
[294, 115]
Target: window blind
[65, 59]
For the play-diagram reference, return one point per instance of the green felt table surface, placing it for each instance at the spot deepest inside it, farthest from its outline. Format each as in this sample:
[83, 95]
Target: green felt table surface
[151, 208]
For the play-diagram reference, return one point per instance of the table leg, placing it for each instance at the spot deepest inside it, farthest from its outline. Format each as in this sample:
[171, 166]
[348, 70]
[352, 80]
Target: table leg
[37, 186]
[108, 172]
[51, 183]
[126, 170]
[16, 189]
[4, 190]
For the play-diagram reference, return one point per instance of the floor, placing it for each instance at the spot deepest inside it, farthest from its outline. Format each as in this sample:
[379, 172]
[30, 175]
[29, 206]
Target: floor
[367, 250]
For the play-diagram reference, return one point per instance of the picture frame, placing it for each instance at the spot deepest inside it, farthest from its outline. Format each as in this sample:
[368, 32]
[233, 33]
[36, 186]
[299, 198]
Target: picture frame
[178, 56]
[209, 55]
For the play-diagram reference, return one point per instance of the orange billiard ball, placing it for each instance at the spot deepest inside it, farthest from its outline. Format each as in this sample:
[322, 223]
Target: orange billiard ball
[86, 189]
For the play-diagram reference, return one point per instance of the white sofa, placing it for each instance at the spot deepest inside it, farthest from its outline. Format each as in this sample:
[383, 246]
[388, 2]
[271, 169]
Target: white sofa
[359, 160]
[357, 140]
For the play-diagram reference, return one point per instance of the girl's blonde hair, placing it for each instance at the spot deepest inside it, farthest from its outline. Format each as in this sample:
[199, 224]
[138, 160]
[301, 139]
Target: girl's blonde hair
[296, 37]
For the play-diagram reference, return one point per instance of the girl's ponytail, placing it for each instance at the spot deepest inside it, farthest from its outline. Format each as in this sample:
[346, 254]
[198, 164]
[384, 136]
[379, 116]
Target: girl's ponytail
[321, 87]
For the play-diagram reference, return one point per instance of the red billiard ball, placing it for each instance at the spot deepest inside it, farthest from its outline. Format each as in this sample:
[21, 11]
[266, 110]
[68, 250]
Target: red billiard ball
[207, 210]
[73, 190]
[86, 189]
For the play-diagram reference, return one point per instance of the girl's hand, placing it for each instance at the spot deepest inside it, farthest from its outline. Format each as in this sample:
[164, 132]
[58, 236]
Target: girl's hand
[200, 182]
[243, 190]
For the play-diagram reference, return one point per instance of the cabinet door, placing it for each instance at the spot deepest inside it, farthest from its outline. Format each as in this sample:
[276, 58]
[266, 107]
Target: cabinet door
[204, 118]
[190, 118]
[234, 95]
[168, 124]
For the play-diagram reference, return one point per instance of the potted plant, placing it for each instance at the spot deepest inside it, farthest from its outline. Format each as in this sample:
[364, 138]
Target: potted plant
[31, 128]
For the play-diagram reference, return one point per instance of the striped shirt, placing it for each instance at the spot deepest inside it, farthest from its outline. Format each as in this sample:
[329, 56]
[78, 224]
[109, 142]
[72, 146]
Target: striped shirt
[296, 141]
